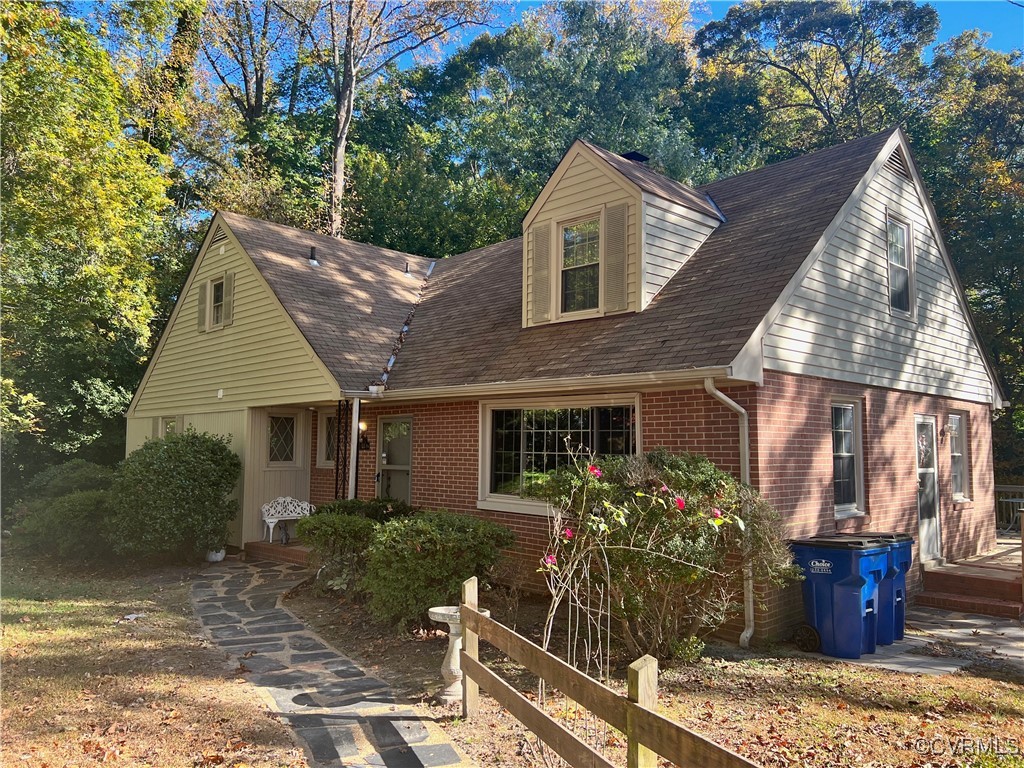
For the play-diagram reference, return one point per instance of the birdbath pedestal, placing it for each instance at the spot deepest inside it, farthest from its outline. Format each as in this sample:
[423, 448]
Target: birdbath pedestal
[451, 668]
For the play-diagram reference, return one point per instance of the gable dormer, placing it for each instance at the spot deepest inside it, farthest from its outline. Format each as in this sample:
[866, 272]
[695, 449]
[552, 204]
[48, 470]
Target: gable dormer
[605, 235]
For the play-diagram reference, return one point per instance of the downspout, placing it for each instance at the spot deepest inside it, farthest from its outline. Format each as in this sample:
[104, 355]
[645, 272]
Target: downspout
[353, 464]
[748, 574]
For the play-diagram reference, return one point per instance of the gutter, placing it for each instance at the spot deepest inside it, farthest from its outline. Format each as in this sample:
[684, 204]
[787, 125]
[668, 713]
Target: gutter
[748, 574]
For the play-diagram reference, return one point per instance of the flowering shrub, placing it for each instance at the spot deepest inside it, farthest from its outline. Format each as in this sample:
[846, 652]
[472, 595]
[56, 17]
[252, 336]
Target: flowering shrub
[661, 539]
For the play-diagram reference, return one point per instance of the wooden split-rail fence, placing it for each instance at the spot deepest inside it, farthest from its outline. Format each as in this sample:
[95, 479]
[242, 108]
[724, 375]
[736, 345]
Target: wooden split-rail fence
[647, 733]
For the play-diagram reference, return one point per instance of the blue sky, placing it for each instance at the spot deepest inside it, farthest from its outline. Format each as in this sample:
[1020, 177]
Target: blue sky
[1002, 19]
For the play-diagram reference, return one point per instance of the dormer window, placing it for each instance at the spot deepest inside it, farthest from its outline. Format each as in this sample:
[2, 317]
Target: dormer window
[581, 265]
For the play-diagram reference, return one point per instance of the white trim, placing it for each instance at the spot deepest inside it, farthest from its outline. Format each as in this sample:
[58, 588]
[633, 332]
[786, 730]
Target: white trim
[297, 441]
[322, 415]
[965, 427]
[500, 502]
[859, 506]
[353, 452]
[622, 382]
[209, 287]
[908, 231]
[557, 315]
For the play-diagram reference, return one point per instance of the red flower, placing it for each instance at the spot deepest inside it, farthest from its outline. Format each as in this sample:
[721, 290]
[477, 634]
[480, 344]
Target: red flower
[595, 471]
[549, 560]
[716, 512]
[680, 503]
[567, 533]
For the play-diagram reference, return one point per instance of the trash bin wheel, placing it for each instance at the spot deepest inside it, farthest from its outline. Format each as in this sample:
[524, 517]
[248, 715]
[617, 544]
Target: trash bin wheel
[806, 638]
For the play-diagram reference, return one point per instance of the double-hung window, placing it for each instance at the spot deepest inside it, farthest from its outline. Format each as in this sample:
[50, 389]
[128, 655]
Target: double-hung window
[847, 460]
[217, 303]
[527, 445]
[956, 429]
[581, 266]
[900, 266]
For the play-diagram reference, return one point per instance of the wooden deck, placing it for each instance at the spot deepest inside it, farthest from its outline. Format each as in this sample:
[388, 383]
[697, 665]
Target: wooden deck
[991, 584]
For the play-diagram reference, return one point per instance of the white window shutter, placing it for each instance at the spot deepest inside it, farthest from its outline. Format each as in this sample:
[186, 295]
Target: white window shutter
[229, 298]
[204, 289]
[616, 225]
[540, 282]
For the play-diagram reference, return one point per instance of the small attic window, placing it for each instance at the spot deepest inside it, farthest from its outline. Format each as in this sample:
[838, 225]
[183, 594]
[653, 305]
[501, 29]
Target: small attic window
[581, 265]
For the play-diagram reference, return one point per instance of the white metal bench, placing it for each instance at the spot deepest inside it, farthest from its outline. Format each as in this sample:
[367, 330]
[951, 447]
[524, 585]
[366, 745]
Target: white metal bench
[284, 508]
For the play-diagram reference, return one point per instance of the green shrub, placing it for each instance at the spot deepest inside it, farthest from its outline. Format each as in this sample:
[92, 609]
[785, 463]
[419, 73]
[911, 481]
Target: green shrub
[171, 495]
[72, 526]
[71, 476]
[375, 509]
[415, 563]
[665, 537]
[339, 544]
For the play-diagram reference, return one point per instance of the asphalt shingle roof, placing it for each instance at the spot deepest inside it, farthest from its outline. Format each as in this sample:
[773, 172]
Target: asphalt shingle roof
[351, 308]
[468, 327]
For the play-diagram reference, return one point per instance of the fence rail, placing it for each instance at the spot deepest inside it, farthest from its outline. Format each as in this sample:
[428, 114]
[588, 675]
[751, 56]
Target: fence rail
[646, 731]
[1009, 507]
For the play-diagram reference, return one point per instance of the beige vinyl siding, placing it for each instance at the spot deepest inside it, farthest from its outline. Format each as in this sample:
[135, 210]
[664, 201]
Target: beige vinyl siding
[672, 234]
[838, 323]
[234, 424]
[263, 484]
[584, 188]
[260, 359]
[139, 431]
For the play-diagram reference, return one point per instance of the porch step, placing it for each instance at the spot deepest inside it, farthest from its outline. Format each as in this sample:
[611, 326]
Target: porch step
[986, 606]
[277, 553]
[973, 581]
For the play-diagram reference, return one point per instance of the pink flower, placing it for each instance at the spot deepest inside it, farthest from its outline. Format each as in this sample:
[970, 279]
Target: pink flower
[567, 533]
[680, 503]
[549, 560]
[716, 512]
[595, 471]
[664, 489]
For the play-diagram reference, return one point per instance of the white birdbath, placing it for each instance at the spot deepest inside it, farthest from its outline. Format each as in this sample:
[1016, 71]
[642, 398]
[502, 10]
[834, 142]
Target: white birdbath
[451, 668]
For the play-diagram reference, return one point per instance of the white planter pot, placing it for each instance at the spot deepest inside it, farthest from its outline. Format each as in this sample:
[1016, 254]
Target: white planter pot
[215, 557]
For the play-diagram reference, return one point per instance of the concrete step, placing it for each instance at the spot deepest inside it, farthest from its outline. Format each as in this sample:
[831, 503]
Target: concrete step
[972, 581]
[986, 606]
[277, 553]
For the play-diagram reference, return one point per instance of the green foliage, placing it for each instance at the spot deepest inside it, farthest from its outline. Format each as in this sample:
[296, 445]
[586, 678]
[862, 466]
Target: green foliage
[418, 562]
[74, 475]
[339, 543]
[377, 510]
[73, 526]
[667, 537]
[171, 495]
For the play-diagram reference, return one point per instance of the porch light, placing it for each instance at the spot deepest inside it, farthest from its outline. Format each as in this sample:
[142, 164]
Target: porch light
[364, 439]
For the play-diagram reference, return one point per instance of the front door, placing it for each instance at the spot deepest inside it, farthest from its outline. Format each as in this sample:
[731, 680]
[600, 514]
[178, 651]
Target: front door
[394, 461]
[930, 535]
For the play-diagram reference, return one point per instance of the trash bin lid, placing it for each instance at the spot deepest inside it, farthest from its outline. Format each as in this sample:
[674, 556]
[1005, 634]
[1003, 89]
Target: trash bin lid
[888, 535]
[842, 542]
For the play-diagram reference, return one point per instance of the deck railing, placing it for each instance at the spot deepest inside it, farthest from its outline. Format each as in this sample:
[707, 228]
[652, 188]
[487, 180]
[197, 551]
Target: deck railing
[1009, 508]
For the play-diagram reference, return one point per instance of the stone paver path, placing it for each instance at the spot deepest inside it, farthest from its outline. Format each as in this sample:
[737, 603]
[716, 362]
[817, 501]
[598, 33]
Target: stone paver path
[341, 715]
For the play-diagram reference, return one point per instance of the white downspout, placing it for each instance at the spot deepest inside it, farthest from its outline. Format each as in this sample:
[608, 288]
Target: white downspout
[748, 574]
[353, 450]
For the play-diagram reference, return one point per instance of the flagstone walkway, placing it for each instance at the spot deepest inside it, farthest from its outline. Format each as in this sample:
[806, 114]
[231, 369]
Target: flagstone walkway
[341, 715]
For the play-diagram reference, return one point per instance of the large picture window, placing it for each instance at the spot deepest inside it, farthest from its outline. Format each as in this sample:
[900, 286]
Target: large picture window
[529, 444]
[581, 266]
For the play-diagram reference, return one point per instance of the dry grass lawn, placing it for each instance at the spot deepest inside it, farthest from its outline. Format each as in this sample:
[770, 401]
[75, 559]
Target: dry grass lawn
[84, 685]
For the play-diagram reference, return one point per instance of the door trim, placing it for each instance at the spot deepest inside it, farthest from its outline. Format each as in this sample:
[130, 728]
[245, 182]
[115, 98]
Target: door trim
[933, 422]
[379, 476]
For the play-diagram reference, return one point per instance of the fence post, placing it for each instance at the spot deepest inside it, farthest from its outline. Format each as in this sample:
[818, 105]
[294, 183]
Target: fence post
[470, 647]
[642, 689]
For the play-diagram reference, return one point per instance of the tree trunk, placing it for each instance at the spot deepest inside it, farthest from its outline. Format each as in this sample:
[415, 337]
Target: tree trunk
[344, 106]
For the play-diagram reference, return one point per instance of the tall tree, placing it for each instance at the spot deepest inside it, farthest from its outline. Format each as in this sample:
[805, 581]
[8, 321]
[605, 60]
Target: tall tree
[81, 201]
[354, 40]
[834, 69]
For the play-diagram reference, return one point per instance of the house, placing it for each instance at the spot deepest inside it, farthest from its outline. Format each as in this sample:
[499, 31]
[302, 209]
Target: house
[801, 325]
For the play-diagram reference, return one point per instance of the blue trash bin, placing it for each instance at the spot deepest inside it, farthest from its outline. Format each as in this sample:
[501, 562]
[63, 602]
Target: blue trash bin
[892, 592]
[842, 575]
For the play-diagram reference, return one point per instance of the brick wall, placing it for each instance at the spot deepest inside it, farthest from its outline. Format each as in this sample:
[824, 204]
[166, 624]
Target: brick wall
[794, 456]
[791, 463]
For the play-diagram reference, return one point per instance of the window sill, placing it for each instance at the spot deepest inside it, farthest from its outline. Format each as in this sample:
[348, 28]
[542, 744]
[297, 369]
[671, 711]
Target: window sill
[498, 503]
[848, 514]
[961, 500]
[325, 465]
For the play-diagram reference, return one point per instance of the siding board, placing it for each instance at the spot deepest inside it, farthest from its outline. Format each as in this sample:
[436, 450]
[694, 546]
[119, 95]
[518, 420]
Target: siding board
[838, 324]
[672, 234]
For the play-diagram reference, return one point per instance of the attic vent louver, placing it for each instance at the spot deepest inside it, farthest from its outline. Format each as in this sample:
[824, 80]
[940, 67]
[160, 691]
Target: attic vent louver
[897, 165]
[219, 236]
[636, 157]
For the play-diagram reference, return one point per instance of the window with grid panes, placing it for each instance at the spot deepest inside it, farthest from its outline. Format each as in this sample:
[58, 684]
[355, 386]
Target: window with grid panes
[581, 267]
[282, 440]
[899, 265]
[844, 456]
[330, 437]
[529, 444]
[958, 454]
